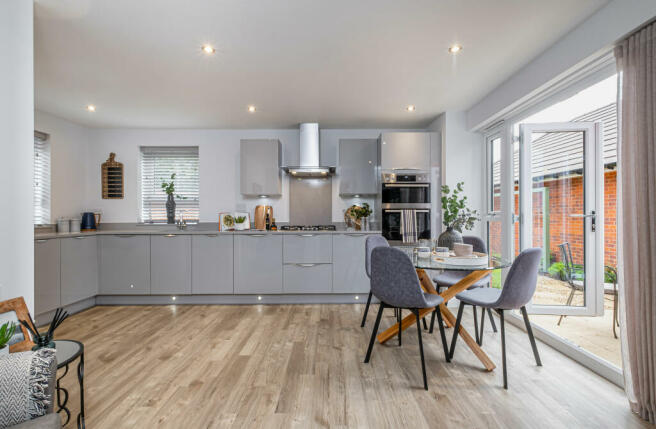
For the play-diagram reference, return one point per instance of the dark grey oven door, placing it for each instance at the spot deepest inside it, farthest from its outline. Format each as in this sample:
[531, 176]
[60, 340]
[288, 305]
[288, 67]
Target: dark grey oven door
[406, 193]
[391, 225]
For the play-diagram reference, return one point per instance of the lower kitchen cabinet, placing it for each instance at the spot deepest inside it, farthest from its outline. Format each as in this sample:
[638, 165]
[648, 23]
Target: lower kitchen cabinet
[79, 269]
[124, 265]
[170, 264]
[258, 263]
[307, 278]
[211, 264]
[349, 275]
[46, 275]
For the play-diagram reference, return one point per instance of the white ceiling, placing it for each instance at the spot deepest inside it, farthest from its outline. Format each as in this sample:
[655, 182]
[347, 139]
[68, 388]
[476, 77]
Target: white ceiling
[342, 63]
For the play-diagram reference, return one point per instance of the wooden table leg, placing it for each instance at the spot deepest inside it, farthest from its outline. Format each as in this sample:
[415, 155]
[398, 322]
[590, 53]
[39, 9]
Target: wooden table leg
[427, 285]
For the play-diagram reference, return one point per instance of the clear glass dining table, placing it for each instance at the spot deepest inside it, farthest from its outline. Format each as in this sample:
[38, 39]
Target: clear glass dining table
[435, 263]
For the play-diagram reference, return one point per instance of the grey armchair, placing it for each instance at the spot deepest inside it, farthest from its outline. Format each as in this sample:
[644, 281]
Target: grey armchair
[395, 283]
[27, 397]
[517, 291]
[450, 278]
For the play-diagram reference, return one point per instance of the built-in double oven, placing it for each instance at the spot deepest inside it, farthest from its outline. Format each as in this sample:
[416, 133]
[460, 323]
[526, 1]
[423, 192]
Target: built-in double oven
[406, 194]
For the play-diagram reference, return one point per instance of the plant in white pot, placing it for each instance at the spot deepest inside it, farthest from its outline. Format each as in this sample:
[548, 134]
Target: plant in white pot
[6, 332]
[456, 216]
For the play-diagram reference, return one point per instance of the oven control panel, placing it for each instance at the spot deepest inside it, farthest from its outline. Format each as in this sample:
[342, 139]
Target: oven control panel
[415, 177]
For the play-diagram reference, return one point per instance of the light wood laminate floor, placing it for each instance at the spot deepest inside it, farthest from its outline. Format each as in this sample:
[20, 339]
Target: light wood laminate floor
[302, 366]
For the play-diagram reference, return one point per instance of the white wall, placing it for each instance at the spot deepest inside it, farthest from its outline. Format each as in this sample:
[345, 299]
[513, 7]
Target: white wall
[463, 153]
[219, 168]
[17, 149]
[69, 144]
[593, 38]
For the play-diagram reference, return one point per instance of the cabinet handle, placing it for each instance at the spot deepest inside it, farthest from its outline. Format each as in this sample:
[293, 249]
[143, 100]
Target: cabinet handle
[306, 265]
[306, 235]
[42, 240]
[124, 235]
[357, 234]
[79, 238]
[255, 235]
[211, 235]
[170, 235]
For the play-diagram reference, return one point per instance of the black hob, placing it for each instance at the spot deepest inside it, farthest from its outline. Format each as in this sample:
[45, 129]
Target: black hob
[308, 228]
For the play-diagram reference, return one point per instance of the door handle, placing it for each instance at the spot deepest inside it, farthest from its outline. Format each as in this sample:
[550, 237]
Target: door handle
[592, 215]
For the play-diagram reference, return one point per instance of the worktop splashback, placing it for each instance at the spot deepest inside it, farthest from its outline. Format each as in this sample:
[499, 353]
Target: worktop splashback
[310, 201]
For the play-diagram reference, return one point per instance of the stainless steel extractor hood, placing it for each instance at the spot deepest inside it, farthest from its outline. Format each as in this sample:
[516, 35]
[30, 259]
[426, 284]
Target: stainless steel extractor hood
[309, 165]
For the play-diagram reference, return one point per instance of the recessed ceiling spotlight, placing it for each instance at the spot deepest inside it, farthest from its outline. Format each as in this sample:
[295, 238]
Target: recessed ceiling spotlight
[454, 49]
[411, 108]
[251, 109]
[208, 49]
[91, 108]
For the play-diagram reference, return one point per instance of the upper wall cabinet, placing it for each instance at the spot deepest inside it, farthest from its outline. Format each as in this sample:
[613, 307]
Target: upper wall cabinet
[357, 166]
[405, 151]
[260, 167]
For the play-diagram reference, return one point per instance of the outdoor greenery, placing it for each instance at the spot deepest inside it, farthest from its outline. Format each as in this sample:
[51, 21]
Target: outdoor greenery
[6, 332]
[558, 271]
[456, 213]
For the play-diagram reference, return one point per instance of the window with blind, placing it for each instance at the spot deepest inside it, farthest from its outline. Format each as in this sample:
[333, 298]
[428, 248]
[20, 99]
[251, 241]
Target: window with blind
[156, 166]
[41, 179]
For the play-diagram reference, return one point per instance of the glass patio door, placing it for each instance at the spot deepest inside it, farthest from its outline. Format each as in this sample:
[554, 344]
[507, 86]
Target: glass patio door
[561, 211]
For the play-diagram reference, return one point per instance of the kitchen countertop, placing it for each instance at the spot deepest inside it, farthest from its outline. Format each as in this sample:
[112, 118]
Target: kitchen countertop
[201, 229]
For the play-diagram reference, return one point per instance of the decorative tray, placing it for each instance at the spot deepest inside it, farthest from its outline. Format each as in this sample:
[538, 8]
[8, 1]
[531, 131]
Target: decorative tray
[475, 259]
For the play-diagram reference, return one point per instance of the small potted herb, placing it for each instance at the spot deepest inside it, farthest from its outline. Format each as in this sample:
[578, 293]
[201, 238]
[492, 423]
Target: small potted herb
[361, 215]
[6, 332]
[169, 189]
[456, 216]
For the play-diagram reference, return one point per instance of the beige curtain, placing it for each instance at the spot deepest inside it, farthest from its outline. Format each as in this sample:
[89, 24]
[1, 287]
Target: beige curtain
[636, 59]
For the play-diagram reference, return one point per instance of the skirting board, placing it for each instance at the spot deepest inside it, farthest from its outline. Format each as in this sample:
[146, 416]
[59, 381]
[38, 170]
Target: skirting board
[351, 298]
[76, 307]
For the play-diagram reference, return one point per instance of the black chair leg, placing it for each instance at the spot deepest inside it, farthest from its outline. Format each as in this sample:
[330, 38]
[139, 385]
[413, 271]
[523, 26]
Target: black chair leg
[421, 349]
[456, 329]
[366, 310]
[529, 330]
[494, 325]
[432, 324]
[479, 340]
[476, 323]
[425, 325]
[503, 350]
[398, 320]
[381, 307]
[442, 333]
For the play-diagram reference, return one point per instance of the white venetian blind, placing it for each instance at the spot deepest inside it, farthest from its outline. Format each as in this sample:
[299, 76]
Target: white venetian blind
[156, 166]
[41, 179]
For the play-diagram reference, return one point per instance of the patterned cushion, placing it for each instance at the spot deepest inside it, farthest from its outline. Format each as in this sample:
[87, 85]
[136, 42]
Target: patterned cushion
[26, 381]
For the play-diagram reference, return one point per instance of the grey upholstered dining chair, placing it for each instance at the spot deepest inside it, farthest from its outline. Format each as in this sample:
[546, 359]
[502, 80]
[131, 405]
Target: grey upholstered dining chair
[395, 283]
[371, 243]
[450, 278]
[517, 291]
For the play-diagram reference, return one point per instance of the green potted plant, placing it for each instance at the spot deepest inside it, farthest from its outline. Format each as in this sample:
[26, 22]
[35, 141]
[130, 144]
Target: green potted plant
[361, 215]
[6, 332]
[456, 215]
[169, 189]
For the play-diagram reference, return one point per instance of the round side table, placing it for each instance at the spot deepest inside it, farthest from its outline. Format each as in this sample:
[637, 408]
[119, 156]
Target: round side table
[68, 351]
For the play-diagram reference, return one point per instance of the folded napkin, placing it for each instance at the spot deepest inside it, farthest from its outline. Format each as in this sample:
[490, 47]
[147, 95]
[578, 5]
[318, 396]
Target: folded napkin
[409, 226]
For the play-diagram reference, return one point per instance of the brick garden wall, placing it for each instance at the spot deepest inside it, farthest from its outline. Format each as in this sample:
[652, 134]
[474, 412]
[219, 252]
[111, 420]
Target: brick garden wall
[565, 196]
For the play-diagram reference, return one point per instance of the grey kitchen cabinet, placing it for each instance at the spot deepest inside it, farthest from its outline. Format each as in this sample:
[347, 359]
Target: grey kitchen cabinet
[170, 264]
[358, 159]
[258, 263]
[260, 167]
[307, 278]
[47, 295]
[349, 275]
[405, 151]
[124, 264]
[212, 264]
[307, 248]
[79, 268]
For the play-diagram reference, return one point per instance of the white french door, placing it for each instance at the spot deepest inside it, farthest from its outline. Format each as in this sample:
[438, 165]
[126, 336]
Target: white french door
[561, 211]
